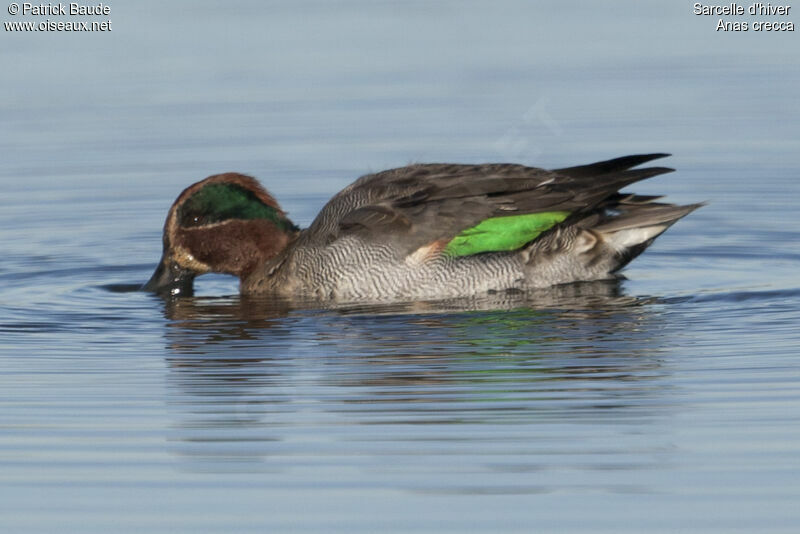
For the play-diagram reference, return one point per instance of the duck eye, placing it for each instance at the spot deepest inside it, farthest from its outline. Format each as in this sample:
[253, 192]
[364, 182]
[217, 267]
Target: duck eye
[189, 220]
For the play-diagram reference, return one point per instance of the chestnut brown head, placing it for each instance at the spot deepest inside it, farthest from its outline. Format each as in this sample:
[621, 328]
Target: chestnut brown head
[226, 223]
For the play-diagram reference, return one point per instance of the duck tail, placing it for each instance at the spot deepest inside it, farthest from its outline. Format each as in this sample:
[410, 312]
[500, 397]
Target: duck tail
[636, 222]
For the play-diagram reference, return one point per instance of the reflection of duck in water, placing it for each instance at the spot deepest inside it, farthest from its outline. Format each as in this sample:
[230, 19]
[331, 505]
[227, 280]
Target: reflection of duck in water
[203, 325]
[419, 232]
[249, 380]
[255, 335]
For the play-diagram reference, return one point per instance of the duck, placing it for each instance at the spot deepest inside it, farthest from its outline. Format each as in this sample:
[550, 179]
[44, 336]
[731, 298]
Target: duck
[425, 231]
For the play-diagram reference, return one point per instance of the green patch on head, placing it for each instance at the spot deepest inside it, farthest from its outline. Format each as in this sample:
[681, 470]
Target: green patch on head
[220, 202]
[503, 233]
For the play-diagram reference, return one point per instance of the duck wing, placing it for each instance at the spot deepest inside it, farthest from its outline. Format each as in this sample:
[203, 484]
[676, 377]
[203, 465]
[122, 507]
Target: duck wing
[472, 208]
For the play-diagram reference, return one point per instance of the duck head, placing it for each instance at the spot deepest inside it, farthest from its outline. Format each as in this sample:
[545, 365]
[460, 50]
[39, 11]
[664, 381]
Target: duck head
[226, 223]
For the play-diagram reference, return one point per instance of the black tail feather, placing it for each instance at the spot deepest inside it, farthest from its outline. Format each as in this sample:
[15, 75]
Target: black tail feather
[609, 166]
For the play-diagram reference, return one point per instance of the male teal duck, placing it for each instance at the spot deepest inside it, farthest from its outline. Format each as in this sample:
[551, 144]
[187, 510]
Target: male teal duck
[425, 231]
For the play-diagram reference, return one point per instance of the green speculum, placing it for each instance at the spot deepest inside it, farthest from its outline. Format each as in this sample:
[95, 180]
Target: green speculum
[503, 233]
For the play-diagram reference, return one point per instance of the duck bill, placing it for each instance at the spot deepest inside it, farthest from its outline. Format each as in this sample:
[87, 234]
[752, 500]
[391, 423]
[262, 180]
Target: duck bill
[169, 279]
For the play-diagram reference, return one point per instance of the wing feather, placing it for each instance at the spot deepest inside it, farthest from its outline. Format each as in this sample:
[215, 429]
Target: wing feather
[416, 205]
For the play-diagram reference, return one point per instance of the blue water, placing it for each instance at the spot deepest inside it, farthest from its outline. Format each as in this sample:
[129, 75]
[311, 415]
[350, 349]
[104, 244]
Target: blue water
[669, 401]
